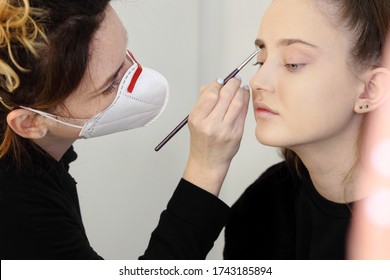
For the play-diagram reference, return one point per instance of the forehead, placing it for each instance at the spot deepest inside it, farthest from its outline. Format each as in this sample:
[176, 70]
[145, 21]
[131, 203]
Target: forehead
[301, 19]
[109, 39]
[107, 50]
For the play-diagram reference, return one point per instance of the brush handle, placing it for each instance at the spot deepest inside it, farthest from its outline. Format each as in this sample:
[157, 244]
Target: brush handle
[184, 122]
[170, 135]
[231, 75]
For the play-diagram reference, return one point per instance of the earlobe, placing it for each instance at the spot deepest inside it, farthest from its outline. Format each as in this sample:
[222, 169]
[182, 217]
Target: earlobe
[376, 91]
[24, 123]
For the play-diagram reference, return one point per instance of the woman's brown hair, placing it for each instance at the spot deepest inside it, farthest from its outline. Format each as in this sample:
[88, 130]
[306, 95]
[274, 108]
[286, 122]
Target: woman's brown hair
[44, 53]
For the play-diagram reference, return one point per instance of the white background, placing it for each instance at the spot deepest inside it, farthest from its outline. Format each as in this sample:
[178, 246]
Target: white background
[279, 270]
[123, 183]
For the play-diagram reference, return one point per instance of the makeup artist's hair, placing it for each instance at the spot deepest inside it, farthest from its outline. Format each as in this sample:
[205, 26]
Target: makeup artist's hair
[44, 53]
[369, 22]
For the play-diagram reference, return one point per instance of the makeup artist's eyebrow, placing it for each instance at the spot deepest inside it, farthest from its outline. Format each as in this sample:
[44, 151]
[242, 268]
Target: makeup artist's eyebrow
[285, 43]
[111, 78]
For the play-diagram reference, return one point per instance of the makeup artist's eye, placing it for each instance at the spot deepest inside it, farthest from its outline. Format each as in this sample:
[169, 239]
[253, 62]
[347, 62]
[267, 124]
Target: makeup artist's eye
[112, 87]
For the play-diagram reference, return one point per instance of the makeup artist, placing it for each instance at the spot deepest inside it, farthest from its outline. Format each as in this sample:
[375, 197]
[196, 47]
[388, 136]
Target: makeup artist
[66, 74]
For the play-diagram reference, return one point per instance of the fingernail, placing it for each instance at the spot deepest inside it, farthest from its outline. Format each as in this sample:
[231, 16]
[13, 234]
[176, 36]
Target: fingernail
[246, 87]
[239, 78]
[220, 81]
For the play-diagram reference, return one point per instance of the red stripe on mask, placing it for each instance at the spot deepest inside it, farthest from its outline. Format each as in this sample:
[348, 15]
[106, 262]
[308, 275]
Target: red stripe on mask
[136, 75]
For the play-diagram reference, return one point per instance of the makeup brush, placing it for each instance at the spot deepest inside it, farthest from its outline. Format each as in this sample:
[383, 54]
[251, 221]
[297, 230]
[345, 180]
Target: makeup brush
[184, 122]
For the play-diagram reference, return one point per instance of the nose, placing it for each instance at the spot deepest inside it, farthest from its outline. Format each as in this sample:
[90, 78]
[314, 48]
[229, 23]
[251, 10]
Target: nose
[263, 80]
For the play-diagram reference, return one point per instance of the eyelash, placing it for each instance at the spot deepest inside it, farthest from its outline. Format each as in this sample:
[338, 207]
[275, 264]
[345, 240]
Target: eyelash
[288, 66]
[112, 87]
[259, 64]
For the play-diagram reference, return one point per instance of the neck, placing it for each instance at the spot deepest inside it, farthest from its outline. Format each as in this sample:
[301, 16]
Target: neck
[333, 178]
[54, 147]
[333, 167]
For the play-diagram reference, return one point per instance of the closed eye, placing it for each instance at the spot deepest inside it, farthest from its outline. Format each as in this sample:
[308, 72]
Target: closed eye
[259, 64]
[113, 86]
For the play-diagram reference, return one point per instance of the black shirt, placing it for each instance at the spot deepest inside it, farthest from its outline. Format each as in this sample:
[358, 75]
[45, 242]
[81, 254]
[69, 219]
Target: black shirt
[40, 216]
[281, 216]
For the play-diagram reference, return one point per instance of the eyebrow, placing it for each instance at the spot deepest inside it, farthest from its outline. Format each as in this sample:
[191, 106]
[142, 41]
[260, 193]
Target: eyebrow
[285, 43]
[111, 78]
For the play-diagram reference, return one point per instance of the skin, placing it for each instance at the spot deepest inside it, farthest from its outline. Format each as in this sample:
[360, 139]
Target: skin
[216, 126]
[320, 78]
[306, 95]
[108, 56]
[219, 114]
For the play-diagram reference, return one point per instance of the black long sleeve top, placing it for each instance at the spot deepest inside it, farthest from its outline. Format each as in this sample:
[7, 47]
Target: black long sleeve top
[280, 216]
[40, 216]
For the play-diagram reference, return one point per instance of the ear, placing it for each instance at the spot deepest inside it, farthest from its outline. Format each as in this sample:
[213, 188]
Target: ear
[26, 124]
[376, 91]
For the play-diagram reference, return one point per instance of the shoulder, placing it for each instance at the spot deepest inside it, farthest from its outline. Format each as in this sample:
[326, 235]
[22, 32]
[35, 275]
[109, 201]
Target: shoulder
[276, 180]
[278, 172]
[29, 187]
[274, 190]
[261, 219]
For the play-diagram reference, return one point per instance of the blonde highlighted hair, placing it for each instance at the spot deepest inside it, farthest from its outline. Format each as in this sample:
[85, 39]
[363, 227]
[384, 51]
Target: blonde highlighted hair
[17, 24]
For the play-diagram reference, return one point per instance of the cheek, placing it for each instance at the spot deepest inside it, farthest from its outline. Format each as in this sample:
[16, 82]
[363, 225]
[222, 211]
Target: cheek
[312, 105]
[315, 107]
[86, 106]
[324, 93]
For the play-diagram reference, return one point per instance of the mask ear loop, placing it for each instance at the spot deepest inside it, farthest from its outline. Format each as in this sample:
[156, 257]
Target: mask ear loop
[55, 118]
[136, 75]
[47, 115]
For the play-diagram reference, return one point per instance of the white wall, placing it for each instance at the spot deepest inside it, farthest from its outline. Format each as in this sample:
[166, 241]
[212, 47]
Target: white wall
[123, 183]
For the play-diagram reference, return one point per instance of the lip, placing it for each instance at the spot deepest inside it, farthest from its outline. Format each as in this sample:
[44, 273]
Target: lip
[264, 110]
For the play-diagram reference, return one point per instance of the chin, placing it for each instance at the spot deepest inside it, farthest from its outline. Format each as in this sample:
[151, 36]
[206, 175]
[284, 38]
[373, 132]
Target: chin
[268, 140]
[278, 136]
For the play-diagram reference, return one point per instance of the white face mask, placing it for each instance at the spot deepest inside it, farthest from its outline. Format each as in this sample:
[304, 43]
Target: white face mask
[141, 98]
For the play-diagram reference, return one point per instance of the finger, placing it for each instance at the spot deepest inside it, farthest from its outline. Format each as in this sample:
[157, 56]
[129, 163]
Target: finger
[237, 123]
[226, 95]
[240, 121]
[207, 100]
[370, 230]
[203, 89]
[219, 82]
[238, 106]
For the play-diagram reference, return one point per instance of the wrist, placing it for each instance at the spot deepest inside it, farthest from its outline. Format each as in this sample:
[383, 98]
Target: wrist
[209, 178]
